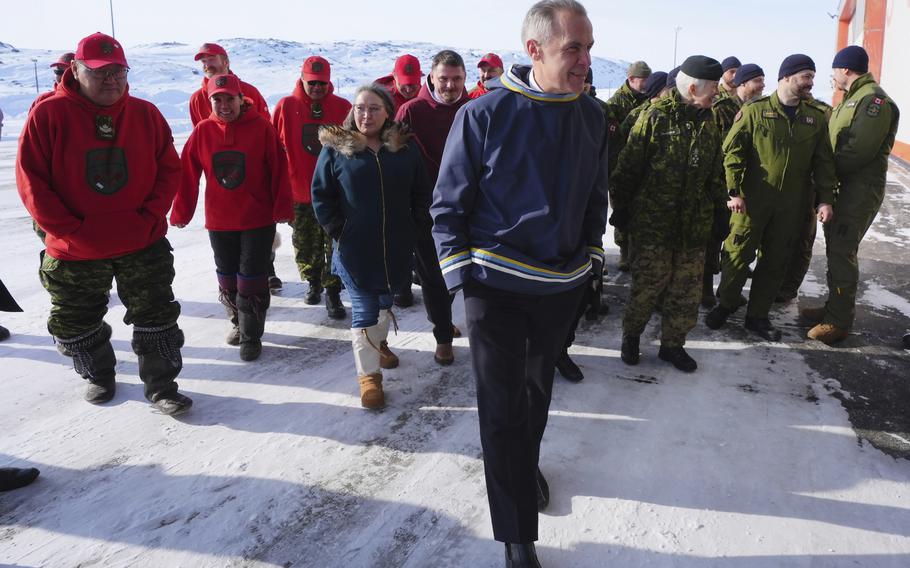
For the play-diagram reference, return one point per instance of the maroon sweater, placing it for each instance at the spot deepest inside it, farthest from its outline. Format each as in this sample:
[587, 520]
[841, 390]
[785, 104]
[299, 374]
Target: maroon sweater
[430, 121]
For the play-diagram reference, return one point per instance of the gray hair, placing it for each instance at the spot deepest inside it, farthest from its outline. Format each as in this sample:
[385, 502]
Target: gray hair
[540, 20]
[383, 94]
[683, 82]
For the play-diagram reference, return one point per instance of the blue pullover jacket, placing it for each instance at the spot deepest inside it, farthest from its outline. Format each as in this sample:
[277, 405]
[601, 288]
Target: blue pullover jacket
[521, 199]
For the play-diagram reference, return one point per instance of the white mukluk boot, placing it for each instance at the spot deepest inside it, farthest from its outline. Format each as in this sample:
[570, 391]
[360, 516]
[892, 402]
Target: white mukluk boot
[365, 342]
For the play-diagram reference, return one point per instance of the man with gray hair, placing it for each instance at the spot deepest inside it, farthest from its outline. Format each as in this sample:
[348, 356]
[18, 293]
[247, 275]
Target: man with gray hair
[519, 214]
[670, 216]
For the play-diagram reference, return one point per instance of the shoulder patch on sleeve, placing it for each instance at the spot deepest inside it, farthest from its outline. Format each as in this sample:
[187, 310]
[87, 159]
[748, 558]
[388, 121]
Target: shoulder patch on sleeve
[739, 115]
[874, 109]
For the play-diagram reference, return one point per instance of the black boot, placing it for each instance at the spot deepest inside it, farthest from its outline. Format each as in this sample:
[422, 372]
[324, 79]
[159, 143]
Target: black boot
[313, 294]
[568, 369]
[160, 362]
[679, 358]
[227, 295]
[762, 327]
[707, 291]
[333, 305]
[93, 358]
[543, 491]
[252, 304]
[629, 352]
[14, 477]
[521, 555]
[717, 317]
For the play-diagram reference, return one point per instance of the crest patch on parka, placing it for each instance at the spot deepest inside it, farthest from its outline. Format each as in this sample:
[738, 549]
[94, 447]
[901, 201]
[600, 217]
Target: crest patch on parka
[230, 168]
[105, 170]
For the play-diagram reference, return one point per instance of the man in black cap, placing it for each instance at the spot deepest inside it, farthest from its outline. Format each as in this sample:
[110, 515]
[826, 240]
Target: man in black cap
[862, 132]
[726, 88]
[776, 145]
[670, 216]
[748, 82]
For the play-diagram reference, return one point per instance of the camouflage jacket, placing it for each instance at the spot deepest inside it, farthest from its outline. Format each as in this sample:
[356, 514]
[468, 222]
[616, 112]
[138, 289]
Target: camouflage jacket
[724, 110]
[624, 100]
[670, 175]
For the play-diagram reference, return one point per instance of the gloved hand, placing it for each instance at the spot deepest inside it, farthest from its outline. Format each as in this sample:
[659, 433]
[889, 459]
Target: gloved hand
[620, 219]
[721, 225]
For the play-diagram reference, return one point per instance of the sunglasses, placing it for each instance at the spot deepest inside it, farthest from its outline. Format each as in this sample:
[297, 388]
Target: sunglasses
[59, 71]
[317, 83]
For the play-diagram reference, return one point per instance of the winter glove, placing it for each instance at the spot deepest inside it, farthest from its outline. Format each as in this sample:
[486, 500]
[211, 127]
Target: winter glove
[620, 219]
[721, 226]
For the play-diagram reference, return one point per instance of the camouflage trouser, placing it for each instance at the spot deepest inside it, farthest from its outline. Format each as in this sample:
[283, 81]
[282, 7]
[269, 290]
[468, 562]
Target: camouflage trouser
[80, 290]
[675, 274]
[856, 207]
[312, 249]
[38, 231]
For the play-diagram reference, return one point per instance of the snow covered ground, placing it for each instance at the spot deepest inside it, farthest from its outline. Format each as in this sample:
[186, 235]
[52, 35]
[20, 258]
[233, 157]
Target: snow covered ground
[750, 462]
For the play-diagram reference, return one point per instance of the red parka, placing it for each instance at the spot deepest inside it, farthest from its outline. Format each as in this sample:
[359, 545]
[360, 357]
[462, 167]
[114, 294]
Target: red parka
[43, 97]
[478, 91]
[201, 106]
[298, 129]
[246, 175]
[430, 121]
[97, 197]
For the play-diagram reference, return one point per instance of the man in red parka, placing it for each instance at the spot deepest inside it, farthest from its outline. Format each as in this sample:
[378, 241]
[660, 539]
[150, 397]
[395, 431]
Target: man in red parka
[215, 62]
[430, 115]
[490, 67]
[297, 120]
[60, 66]
[404, 82]
[97, 169]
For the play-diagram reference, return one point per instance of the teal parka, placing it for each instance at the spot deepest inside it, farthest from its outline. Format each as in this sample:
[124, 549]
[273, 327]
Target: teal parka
[670, 176]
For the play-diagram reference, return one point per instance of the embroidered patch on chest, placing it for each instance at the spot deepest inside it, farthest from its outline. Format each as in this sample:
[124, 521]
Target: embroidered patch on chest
[810, 120]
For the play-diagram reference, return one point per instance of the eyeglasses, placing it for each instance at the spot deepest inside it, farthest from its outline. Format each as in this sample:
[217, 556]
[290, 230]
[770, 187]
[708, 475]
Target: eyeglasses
[317, 83]
[118, 74]
[368, 110]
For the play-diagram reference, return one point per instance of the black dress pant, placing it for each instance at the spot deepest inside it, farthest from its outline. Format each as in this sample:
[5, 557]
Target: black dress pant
[515, 340]
[436, 297]
[243, 252]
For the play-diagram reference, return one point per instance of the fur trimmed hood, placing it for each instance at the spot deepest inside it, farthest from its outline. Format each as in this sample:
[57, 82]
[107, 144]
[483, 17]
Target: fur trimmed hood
[349, 142]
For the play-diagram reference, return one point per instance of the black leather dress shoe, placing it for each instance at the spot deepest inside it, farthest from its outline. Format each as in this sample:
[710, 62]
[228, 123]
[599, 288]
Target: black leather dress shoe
[521, 555]
[543, 491]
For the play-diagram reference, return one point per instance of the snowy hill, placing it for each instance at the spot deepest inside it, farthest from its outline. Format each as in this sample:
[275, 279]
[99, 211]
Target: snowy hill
[166, 73]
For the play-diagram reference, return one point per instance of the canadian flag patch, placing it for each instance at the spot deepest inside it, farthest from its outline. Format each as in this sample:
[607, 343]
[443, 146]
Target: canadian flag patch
[878, 101]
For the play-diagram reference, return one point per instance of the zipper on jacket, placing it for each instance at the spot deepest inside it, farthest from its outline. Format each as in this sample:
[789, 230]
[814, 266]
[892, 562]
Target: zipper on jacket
[385, 250]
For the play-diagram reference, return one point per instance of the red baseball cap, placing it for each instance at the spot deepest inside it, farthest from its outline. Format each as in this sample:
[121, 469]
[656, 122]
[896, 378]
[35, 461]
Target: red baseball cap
[407, 70]
[98, 50]
[225, 83]
[316, 68]
[64, 60]
[210, 49]
[492, 60]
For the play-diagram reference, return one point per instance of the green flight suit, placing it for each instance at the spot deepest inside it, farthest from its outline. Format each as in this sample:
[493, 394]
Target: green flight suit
[802, 253]
[862, 131]
[670, 179]
[770, 160]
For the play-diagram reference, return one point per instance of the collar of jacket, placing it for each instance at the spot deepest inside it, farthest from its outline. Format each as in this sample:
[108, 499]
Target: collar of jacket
[300, 92]
[632, 92]
[350, 142]
[858, 83]
[228, 129]
[516, 80]
[427, 93]
[70, 89]
[675, 103]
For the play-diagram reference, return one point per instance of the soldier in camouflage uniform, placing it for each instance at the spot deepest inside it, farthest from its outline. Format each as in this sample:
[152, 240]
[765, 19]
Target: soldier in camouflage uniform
[101, 191]
[726, 87]
[630, 95]
[668, 183]
[655, 88]
[776, 146]
[862, 132]
[748, 82]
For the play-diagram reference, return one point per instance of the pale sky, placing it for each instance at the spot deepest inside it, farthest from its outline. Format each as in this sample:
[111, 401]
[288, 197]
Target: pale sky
[760, 32]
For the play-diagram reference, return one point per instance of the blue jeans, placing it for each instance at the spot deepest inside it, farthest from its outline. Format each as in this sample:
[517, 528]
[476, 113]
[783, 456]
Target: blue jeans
[365, 307]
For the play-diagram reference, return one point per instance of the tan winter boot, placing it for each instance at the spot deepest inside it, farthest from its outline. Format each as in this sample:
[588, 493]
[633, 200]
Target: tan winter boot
[371, 395]
[367, 360]
[828, 333]
[387, 359]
